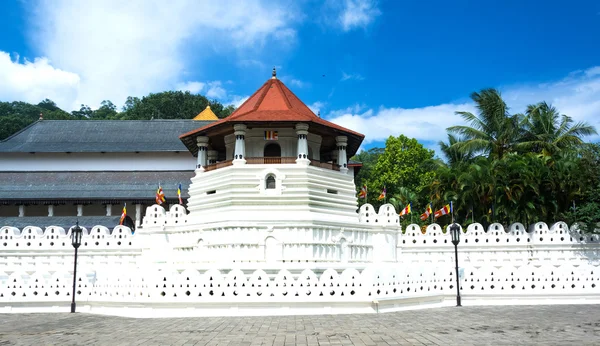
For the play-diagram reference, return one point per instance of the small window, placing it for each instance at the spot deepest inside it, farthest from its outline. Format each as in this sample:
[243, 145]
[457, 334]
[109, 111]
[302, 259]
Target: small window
[270, 182]
[211, 192]
[332, 191]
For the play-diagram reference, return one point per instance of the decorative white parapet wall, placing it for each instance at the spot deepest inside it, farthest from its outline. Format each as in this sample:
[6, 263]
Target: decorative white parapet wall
[127, 274]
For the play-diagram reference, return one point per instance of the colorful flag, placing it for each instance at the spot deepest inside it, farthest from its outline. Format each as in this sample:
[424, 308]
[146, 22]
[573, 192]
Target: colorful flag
[444, 211]
[406, 210]
[179, 194]
[271, 135]
[427, 212]
[382, 194]
[160, 196]
[123, 214]
[363, 192]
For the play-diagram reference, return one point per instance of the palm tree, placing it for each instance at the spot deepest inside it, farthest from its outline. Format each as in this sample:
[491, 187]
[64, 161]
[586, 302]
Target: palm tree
[402, 198]
[548, 132]
[493, 131]
[453, 156]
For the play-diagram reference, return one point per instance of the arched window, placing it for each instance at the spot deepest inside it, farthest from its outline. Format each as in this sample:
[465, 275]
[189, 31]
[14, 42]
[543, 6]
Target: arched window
[272, 150]
[270, 182]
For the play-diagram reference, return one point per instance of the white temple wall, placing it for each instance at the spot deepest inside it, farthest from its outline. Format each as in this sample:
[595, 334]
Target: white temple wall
[233, 270]
[159, 161]
[239, 193]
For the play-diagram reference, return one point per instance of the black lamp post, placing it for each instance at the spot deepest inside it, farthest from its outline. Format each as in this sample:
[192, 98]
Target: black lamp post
[455, 232]
[76, 233]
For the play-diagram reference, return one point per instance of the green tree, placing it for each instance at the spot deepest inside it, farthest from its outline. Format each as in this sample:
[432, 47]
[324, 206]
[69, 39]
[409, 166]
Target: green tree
[368, 158]
[452, 154]
[549, 132]
[405, 163]
[170, 105]
[84, 112]
[493, 132]
[106, 111]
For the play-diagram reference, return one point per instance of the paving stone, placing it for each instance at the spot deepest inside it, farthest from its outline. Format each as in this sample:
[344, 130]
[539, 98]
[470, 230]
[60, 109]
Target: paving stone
[494, 325]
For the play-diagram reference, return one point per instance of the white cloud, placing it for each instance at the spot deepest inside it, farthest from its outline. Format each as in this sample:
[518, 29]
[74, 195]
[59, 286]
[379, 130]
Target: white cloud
[215, 90]
[193, 87]
[135, 47]
[425, 124]
[237, 101]
[33, 81]
[353, 76]
[316, 107]
[298, 83]
[577, 95]
[358, 14]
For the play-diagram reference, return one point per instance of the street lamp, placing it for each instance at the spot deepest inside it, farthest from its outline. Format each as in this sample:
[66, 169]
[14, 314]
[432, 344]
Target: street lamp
[76, 233]
[455, 232]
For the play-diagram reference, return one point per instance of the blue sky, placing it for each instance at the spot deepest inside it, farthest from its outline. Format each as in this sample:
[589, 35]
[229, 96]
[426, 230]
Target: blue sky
[390, 67]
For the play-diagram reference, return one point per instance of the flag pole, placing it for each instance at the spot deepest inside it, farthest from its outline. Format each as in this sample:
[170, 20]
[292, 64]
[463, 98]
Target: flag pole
[452, 211]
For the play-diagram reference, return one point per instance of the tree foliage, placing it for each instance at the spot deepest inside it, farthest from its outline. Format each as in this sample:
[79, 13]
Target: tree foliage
[15, 116]
[499, 167]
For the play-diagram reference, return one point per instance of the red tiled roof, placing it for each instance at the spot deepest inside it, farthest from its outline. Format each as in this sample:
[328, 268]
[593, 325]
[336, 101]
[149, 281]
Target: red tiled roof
[273, 102]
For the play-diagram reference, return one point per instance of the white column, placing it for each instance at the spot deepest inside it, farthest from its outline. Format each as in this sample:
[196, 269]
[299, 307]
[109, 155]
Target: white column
[202, 142]
[50, 210]
[138, 215]
[239, 155]
[109, 210]
[342, 160]
[212, 157]
[79, 209]
[302, 132]
[21, 210]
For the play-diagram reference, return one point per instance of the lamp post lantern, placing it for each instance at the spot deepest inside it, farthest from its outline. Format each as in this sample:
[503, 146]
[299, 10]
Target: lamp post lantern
[76, 233]
[455, 233]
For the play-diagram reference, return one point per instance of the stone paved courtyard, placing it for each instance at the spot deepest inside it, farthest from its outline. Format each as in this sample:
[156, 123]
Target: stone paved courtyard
[506, 325]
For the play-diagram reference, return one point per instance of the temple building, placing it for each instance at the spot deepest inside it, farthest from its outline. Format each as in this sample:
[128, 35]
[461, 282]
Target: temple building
[55, 170]
[272, 183]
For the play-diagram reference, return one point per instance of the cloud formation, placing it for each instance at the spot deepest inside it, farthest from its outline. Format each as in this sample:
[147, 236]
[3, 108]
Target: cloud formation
[135, 47]
[577, 95]
[358, 14]
[33, 81]
[351, 76]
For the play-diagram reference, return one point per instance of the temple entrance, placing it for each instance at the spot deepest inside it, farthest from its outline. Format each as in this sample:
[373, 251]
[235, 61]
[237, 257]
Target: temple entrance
[272, 153]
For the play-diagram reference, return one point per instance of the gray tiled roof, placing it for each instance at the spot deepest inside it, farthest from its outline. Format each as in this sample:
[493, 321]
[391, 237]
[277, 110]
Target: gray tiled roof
[79, 136]
[125, 186]
[65, 222]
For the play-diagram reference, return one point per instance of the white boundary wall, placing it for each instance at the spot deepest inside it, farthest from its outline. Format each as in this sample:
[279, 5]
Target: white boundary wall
[120, 273]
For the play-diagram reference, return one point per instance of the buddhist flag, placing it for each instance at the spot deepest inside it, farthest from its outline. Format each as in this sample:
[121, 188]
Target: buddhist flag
[363, 192]
[382, 194]
[271, 135]
[444, 211]
[160, 196]
[427, 212]
[123, 214]
[179, 194]
[406, 210]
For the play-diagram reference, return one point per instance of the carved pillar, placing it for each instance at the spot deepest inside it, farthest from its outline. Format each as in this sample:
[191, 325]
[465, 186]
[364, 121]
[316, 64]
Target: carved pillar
[302, 155]
[342, 160]
[79, 209]
[138, 215]
[109, 210]
[239, 155]
[212, 157]
[50, 210]
[21, 210]
[202, 142]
